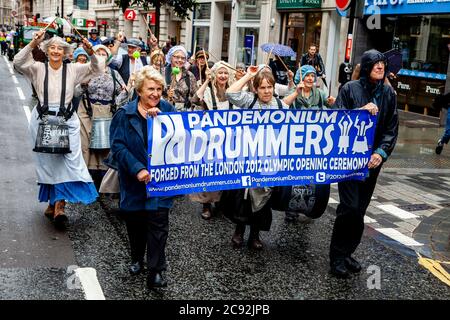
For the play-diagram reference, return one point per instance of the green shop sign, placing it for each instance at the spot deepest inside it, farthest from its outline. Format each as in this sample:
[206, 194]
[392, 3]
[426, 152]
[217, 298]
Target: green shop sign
[298, 4]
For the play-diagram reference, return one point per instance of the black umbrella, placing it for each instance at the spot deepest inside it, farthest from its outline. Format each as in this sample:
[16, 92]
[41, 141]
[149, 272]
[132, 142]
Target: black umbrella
[394, 58]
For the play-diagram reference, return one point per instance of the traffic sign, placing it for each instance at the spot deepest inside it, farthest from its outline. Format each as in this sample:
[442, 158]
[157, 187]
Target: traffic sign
[343, 4]
[14, 13]
[129, 14]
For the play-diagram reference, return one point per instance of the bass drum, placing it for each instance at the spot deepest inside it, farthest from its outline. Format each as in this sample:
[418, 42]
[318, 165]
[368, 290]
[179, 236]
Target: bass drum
[310, 200]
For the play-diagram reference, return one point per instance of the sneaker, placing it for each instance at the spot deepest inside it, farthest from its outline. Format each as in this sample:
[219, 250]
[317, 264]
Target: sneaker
[439, 146]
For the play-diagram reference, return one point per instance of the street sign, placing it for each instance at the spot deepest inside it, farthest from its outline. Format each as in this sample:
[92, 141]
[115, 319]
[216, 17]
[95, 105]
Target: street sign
[129, 14]
[343, 4]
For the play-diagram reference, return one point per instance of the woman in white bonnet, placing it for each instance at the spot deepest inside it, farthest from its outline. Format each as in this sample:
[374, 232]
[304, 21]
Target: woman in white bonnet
[211, 96]
[212, 92]
[99, 101]
[61, 177]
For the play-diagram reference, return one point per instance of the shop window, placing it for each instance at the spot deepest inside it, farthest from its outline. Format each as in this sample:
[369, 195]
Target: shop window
[302, 31]
[201, 37]
[424, 42]
[248, 42]
[250, 10]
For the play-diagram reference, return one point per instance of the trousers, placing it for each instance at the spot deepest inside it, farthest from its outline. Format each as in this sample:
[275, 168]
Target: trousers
[349, 224]
[148, 230]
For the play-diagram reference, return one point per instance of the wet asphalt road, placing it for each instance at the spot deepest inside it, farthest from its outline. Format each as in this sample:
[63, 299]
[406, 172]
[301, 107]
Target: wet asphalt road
[201, 261]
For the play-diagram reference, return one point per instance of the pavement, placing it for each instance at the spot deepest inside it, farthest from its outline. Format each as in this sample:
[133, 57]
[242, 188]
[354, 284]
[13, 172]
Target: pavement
[410, 205]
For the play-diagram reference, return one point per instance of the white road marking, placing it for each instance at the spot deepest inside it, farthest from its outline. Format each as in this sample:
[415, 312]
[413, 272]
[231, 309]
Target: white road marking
[27, 112]
[398, 236]
[15, 80]
[11, 71]
[21, 95]
[90, 284]
[369, 220]
[6, 59]
[399, 213]
[332, 201]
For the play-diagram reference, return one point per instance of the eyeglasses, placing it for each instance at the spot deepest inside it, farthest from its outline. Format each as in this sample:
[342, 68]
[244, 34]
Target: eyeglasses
[179, 57]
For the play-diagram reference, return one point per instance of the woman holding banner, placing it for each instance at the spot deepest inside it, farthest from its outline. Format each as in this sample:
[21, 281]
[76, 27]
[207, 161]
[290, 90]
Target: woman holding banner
[147, 219]
[369, 93]
[251, 206]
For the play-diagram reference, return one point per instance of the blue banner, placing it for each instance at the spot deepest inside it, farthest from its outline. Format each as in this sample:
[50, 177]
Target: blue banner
[395, 7]
[233, 149]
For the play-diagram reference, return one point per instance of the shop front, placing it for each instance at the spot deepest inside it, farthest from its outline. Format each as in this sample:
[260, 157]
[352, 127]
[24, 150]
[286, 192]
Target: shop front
[301, 25]
[420, 31]
[83, 25]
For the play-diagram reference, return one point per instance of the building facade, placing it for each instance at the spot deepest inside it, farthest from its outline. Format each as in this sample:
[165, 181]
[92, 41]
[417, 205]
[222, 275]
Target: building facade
[234, 31]
[6, 9]
[420, 31]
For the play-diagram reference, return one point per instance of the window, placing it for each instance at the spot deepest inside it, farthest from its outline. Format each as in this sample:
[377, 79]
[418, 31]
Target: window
[247, 49]
[201, 38]
[203, 11]
[250, 10]
[82, 4]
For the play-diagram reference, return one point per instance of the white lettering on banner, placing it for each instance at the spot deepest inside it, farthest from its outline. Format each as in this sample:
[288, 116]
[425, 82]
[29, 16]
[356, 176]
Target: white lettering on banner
[233, 118]
[170, 135]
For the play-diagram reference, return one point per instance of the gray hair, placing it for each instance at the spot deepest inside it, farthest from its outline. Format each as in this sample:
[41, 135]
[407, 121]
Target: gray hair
[148, 73]
[241, 65]
[58, 41]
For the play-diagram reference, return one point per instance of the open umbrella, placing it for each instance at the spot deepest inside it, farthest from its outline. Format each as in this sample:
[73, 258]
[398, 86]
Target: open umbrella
[278, 49]
[394, 58]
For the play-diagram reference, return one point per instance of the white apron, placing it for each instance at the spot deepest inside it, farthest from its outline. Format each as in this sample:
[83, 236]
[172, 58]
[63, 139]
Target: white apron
[59, 168]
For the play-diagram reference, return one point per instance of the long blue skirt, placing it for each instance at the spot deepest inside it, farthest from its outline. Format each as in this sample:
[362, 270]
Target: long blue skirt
[72, 192]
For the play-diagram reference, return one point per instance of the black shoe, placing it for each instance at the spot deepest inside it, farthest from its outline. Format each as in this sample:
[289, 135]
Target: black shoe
[352, 265]
[136, 268]
[439, 146]
[156, 280]
[61, 222]
[339, 270]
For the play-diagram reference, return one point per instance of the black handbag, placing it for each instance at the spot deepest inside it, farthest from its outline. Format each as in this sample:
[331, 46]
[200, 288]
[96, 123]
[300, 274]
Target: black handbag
[310, 200]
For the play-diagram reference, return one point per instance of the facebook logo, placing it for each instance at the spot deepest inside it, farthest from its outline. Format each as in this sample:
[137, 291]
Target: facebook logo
[246, 181]
[320, 177]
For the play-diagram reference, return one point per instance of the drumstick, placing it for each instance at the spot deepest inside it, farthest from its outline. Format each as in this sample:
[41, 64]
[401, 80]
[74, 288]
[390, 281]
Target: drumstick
[279, 58]
[49, 24]
[146, 22]
[206, 59]
[268, 57]
[73, 27]
[301, 77]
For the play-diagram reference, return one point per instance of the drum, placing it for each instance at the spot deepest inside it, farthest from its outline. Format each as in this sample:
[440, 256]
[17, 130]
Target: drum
[310, 200]
[100, 133]
[52, 138]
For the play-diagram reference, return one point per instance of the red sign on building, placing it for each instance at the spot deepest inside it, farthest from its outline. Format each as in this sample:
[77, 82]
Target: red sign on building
[152, 18]
[343, 4]
[129, 14]
[90, 23]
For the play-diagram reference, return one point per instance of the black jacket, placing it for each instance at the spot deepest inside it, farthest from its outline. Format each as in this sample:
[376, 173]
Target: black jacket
[358, 93]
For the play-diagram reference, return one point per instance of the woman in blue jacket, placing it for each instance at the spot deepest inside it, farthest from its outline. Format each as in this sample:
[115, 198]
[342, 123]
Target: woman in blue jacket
[147, 219]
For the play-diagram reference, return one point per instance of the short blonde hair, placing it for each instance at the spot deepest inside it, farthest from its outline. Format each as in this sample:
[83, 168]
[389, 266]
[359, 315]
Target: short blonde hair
[58, 41]
[148, 73]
